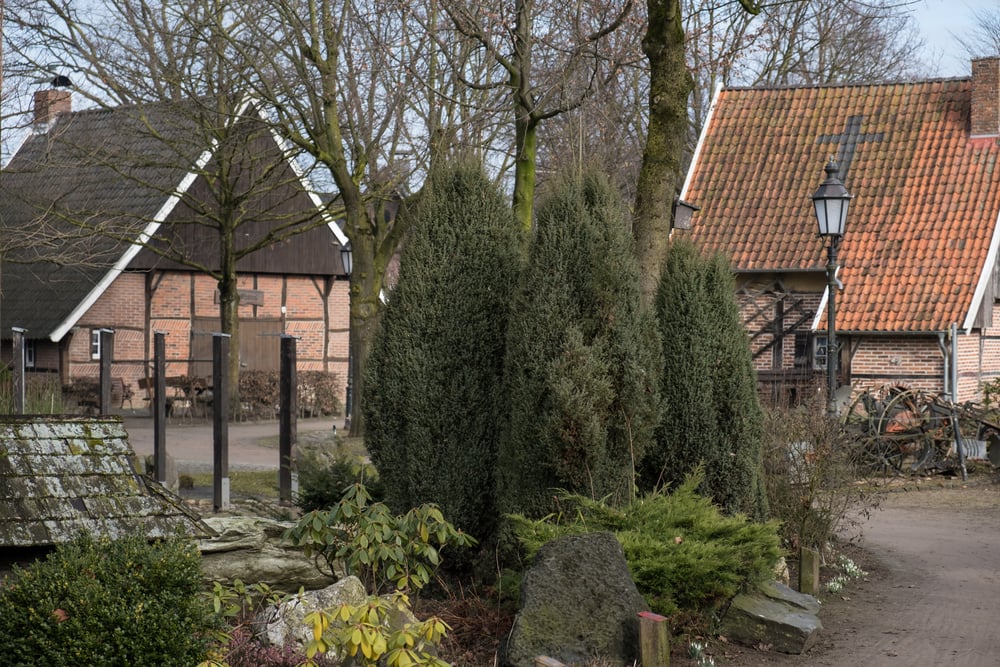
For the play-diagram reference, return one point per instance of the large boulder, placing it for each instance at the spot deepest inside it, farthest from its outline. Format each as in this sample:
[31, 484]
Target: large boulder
[774, 616]
[251, 549]
[284, 623]
[578, 601]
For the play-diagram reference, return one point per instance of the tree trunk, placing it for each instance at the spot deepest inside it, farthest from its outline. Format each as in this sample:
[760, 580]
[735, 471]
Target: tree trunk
[366, 284]
[526, 133]
[229, 316]
[670, 86]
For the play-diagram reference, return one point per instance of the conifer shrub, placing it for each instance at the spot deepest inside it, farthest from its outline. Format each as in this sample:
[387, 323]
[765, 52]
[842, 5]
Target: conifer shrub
[324, 478]
[434, 396]
[97, 601]
[685, 556]
[582, 356]
[712, 415]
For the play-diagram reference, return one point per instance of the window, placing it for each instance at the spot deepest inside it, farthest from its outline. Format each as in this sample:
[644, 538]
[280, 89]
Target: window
[95, 343]
[819, 352]
[810, 351]
[29, 354]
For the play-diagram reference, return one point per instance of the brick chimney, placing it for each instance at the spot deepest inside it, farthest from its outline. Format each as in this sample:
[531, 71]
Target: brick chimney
[49, 104]
[986, 97]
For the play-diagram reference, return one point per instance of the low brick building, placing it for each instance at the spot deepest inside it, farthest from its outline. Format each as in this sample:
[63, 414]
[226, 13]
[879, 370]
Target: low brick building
[919, 259]
[128, 204]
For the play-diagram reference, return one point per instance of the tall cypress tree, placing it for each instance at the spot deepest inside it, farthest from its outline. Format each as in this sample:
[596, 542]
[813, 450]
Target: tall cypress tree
[435, 401]
[582, 356]
[712, 414]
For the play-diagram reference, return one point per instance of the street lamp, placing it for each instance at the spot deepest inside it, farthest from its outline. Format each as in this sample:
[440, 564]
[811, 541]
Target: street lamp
[831, 201]
[347, 261]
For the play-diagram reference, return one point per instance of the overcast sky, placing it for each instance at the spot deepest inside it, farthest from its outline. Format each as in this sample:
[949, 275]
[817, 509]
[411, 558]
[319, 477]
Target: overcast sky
[942, 23]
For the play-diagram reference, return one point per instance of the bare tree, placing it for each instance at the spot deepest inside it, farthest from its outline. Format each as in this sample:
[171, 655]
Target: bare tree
[984, 38]
[547, 58]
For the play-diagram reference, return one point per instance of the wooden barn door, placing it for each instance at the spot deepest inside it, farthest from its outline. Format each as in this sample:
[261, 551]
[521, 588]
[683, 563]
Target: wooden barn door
[260, 345]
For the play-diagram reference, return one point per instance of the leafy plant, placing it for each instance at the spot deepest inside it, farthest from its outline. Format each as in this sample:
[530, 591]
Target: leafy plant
[365, 633]
[683, 553]
[239, 645]
[107, 602]
[357, 536]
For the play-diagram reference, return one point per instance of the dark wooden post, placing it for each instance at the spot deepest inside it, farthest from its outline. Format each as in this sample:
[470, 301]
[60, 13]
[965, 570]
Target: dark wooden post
[107, 356]
[220, 422]
[288, 417]
[160, 405]
[18, 369]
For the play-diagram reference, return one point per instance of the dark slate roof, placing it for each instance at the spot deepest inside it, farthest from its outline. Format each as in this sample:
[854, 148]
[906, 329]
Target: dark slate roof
[113, 169]
[921, 230]
[60, 476]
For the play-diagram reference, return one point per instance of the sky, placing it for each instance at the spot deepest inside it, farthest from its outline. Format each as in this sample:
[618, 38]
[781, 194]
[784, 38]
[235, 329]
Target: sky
[941, 23]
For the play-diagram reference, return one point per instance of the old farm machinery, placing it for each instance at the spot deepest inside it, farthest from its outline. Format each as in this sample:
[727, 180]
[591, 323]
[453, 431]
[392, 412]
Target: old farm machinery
[901, 431]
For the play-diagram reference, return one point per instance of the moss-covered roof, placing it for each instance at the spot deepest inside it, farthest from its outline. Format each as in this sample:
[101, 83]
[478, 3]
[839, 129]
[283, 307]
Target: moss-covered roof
[64, 475]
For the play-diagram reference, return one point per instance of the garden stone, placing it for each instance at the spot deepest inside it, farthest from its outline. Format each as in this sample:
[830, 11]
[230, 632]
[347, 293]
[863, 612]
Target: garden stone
[784, 593]
[284, 623]
[577, 601]
[251, 549]
[756, 618]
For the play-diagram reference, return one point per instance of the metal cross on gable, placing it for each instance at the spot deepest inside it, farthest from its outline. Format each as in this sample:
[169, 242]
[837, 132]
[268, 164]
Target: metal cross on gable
[848, 141]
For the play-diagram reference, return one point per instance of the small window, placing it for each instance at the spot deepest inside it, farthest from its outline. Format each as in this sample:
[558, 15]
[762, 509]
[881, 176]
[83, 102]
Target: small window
[810, 351]
[819, 352]
[95, 343]
[29, 354]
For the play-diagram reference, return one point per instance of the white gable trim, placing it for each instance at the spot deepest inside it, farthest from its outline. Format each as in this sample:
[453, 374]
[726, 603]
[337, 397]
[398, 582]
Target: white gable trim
[822, 308]
[701, 141]
[133, 250]
[985, 275]
[286, 150]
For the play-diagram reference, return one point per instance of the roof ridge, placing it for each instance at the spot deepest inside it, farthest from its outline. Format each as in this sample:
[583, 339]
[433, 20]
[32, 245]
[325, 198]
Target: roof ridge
[858, 84]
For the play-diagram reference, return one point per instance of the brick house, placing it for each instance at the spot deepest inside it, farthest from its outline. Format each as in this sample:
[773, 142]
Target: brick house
[918, 261]
[96, 183]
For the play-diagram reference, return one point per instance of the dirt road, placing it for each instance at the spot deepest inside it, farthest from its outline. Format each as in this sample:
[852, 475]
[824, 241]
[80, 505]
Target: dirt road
[932, 596]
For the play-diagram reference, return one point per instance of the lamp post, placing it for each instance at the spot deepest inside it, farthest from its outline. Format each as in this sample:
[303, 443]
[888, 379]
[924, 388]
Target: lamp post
[831, 201]
[346, 261]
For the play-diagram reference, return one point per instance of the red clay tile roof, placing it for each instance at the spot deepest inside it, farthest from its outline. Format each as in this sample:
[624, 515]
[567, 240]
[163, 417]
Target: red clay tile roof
[920, 231]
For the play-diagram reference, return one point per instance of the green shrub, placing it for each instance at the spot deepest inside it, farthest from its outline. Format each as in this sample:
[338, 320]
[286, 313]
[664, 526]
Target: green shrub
[683, 554]
[102, 602]
[434, 398]
[712, 414]
[325, 477]
[361, 538]
[582, 357]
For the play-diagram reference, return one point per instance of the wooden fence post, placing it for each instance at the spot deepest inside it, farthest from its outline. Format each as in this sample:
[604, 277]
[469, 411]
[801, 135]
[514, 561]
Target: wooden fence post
[654, 640]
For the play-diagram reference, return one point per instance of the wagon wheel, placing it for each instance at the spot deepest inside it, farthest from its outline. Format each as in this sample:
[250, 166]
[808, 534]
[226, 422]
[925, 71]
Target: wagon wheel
[858, 418]
[874, 454]
[915, 429]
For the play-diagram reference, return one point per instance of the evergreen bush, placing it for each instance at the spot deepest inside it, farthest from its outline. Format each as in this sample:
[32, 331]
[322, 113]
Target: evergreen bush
[107, 602]
[434, 397]
[582, 356]
[683, 554]
[325, 478]
[712, 414]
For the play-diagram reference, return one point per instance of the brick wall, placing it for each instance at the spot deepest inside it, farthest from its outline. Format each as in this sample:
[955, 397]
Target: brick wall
[294, 303]
[912, 362]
